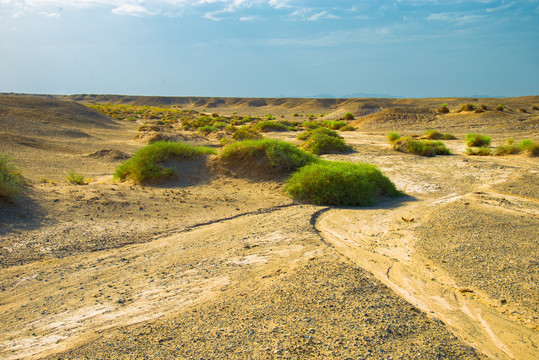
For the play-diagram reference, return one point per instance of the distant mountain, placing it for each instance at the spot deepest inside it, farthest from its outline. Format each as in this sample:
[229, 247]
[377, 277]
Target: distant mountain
[355, 95]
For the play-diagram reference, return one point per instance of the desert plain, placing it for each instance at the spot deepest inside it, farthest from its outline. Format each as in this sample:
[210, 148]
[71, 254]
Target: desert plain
[220, 263]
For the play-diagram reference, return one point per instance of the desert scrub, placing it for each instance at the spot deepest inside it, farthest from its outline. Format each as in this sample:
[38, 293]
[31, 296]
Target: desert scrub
[499, 107]
[340, 184]
[321, 130]
[206, 129]
[529, 147]
[420, 147]
[443, 109]
[334, 125]
[282, 157]
[146, 164]
[11, 181]
[77, 178]
[347, 128]
[477, 140]
[323, 141]
[348, 116]
[246, 133]
[392, 136]
[478, 151]
[267, 125]
[467, 107]
[436, 135]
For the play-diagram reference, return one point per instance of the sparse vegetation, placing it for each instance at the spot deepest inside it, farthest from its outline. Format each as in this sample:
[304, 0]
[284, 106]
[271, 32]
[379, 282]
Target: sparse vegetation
[146, 164]
[270, 117]
[267, 125]
[478, 151]
[333, 125]
[392, 136]
[522, 110]
[535, 107]
[436, 135]
[483, 107]
[246, 133]
[11, 181]
[529, 147]
[420, 147]
[499, 107]
[467, 107]
[282, 157]
[477, 140]
[348, 116]
[77, 178]
[319, 142]
[340, 184]
[443, 109]
[347, 128]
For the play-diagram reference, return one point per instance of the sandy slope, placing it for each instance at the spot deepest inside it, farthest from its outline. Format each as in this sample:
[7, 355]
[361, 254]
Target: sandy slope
[215, 266]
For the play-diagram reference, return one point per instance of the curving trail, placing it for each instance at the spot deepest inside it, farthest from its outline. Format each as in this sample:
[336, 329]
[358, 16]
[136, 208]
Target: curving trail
[382, 241]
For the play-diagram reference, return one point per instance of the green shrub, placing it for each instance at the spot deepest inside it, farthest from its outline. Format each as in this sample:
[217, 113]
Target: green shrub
[477, 140]
[483, 107]
[207, 129]
[348, 116]
[295, 114]
[246, 133]
[320, 143]
[311, 124]
[333, 125]
[420, 147]
[448, 136]
[478, 151]
[433, 134]
[145, 165]
[443, 109]
[392, 136]
[347, 128]
[270, 117]
[282, 157]
[499, 107]
[529, 147]
[11, 181]
[267, 125]
[467, 107]
[340, 184]
[76, 178]
[507, 149]
[321, 130]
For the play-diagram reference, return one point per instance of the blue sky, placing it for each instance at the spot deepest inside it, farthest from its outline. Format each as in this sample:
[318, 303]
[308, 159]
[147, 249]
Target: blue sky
[270, 48]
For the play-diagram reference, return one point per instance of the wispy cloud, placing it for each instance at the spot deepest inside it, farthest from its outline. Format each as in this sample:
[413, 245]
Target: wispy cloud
[455, 17]
[309, 14]
[133, 10]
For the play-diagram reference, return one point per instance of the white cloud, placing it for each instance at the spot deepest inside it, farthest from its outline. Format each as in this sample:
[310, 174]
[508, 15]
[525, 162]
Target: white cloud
[50, 14]
[130, 9]
[455, 17]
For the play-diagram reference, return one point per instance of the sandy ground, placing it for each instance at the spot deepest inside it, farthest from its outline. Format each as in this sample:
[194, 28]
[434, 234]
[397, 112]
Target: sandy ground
[215, 266]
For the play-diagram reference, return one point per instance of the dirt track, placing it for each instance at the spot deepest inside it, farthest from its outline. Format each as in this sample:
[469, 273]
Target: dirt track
[232, 268]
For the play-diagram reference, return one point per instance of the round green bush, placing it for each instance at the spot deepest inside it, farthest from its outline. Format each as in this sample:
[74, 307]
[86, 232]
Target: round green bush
[11, 182]
[282, 157]
[340, 184]
[145, 165]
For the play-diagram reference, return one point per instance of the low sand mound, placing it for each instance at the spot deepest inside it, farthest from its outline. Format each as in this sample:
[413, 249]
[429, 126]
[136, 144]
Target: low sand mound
[17, 112]
[255, 167]
[396, 117]
[109, 155]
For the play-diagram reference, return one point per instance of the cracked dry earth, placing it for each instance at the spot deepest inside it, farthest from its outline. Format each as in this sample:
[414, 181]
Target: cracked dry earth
[233, 269]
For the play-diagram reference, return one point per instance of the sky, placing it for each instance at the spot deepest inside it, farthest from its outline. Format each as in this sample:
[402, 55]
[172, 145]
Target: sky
[270, 48]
